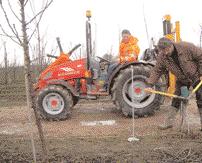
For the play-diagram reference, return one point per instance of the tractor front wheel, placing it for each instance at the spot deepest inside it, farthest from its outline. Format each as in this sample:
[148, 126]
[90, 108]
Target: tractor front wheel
[54, 103]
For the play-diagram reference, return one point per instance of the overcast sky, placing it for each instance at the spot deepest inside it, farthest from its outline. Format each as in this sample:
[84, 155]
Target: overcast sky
[66, 19]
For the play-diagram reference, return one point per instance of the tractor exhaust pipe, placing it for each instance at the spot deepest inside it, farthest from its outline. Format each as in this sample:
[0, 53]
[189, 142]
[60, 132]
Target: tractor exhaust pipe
[59, 44]
[167, 26]
[88, 39]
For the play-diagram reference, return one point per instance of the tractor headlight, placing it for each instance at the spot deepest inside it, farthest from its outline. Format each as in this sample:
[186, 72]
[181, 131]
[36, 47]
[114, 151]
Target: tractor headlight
[88, 14]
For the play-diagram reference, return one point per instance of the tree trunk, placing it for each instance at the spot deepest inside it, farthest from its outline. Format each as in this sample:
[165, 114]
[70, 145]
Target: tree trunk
[28, 82]
[39, 49]
[201, 38]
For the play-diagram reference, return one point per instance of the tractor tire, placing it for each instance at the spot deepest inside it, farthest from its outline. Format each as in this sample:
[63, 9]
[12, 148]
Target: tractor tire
[126, 97]
[54, 103]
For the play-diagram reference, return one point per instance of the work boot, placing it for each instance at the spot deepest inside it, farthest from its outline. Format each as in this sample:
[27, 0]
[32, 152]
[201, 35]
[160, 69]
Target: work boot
[168, 123]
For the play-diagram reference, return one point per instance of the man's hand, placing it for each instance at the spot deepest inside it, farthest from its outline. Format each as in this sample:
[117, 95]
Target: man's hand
[201, 78]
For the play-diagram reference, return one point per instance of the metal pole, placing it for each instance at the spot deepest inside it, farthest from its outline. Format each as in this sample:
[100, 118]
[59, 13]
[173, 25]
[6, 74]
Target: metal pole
[133, 105]
[59, 44]
[184, 116]
[95, 45]
[201, 37]
[88, 43]
[146, 27]
[133, 138]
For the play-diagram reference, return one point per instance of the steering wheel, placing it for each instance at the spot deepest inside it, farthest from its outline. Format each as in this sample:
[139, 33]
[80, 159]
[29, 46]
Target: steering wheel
[69, 53]
[52, 56]
[103, 59]
[73, 49]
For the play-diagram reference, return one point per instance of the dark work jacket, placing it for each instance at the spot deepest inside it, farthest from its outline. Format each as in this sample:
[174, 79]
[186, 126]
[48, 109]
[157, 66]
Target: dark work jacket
[188, 67]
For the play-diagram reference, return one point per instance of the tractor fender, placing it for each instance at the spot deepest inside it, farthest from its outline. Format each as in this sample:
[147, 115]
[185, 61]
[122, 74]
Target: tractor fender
[64, 84]
[123, 66]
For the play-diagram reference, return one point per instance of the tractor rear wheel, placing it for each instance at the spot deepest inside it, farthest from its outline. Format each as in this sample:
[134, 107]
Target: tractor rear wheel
[127, 94]
[54, 103]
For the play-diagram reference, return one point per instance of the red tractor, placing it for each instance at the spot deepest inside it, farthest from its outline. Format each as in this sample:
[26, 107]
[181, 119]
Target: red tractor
[63, 83]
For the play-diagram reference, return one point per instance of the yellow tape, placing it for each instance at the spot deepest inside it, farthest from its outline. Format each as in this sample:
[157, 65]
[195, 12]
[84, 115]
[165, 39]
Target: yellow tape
[197, 87]
[162, 93]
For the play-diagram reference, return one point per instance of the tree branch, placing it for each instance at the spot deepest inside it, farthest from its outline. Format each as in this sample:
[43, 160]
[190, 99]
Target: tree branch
[40, 12]
[11, 37]
[35, 28]
[1, 34]
[17, 33]
[26, 2]
[8, 22]
[32, 8]
[13, 11]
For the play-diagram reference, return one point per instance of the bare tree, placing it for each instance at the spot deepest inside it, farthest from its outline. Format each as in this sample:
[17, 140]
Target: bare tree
[38, 48]
[200, 37]
[5, 64]
[23, 40]
[13, 68]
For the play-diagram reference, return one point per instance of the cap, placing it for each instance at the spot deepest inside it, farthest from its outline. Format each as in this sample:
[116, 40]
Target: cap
[125, 31]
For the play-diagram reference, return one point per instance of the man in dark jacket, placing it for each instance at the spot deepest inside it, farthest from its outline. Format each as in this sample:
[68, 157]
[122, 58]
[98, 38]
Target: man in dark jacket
[184, 60]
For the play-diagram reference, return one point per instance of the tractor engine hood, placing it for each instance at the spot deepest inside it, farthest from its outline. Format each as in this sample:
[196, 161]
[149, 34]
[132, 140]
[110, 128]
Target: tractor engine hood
[65, 71]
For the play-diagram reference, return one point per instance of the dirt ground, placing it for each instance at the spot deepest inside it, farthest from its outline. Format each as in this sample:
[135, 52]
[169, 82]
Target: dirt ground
[96, 132]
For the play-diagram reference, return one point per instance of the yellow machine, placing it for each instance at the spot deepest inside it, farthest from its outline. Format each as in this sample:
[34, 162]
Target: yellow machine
[173, 34]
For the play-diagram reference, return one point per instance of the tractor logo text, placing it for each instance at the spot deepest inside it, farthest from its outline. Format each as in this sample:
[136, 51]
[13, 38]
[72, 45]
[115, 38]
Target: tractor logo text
[67, 69]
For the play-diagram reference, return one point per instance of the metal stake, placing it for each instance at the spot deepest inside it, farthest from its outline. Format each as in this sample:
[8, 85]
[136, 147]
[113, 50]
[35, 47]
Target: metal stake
[184, 117]
[133, 138]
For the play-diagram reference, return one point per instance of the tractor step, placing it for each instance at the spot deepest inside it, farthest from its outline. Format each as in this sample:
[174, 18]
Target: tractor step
[98, 93]
[89, 97]
[93, 95]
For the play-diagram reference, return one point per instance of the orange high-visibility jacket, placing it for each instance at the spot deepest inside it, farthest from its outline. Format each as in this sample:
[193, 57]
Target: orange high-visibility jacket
[129, 51]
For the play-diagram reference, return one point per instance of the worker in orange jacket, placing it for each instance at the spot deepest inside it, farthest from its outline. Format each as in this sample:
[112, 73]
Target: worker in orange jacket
[128, 49]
